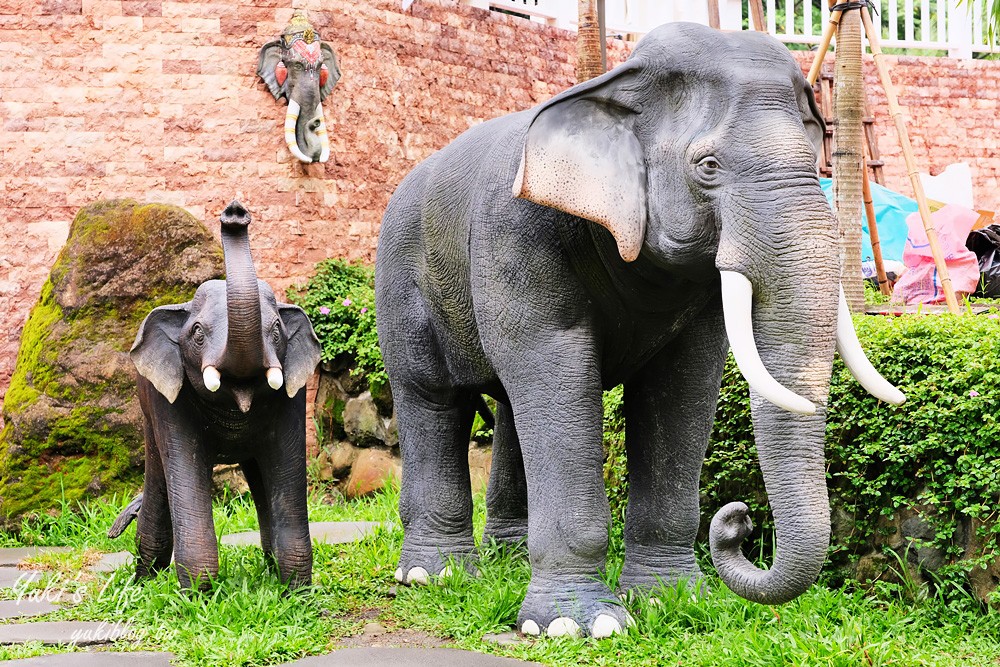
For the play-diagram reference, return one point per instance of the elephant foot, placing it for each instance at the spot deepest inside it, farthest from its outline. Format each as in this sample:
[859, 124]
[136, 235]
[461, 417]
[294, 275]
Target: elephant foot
[583, 607]
[647, 569]
[417, 565]
[514, 534]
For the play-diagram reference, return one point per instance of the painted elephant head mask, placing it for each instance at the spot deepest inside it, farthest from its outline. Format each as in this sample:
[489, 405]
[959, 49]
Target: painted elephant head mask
[302, 69]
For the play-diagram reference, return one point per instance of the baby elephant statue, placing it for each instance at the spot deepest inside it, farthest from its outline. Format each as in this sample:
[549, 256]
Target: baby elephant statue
[222, 380]
[711, 231]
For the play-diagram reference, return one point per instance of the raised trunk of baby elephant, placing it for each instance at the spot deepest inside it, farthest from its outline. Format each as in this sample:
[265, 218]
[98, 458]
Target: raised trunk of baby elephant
[792, 266]
[243, 356]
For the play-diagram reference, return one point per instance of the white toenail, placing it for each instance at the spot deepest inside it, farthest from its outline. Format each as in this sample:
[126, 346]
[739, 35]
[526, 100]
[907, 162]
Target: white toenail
[446, 572]
[563, 626]
[529, 627]
[629, 620]
[398, 574]
[655, 602]
[605, 626]
[417, 575]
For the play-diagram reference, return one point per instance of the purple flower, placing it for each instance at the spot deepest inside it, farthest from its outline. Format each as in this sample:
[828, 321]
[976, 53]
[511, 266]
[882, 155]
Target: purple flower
[347, 302]
[323, 310]
[973, 393]
[364, 309]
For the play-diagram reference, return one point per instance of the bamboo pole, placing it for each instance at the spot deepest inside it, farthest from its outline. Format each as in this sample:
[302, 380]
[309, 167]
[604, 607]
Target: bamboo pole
[874, 42]
[824, 46]
[714, 20]
[757, 14]
[883, 280]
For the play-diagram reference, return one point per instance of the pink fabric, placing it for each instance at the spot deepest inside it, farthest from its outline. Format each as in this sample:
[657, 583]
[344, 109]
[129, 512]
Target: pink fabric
[921, 283]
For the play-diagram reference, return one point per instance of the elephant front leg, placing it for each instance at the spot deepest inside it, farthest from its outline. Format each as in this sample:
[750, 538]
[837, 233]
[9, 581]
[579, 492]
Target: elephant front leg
[435, 500]
[154, 533]
[283, 470]
[556, 396]
[669, 413]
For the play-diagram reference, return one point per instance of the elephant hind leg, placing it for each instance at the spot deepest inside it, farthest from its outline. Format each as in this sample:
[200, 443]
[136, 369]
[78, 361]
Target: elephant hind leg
[435, 501]
[251, 470]
[154, 535]
[507, 493]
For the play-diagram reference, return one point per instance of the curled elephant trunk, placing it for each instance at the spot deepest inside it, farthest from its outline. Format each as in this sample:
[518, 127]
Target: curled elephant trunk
[780, 300]
[243, 355]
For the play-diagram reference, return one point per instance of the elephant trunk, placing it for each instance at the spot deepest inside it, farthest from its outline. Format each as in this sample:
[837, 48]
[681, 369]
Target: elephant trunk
[243, 356]
[305, 130]
[780, 292]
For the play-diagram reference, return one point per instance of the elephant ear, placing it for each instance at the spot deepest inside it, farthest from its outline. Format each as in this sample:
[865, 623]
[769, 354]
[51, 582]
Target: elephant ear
[269, 59]
[582, 157]
[303, 350]
[156, 352]
[812, 117]
[330, 60]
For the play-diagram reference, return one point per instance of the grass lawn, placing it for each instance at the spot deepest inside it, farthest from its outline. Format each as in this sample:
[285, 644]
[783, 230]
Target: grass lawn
[248, 619]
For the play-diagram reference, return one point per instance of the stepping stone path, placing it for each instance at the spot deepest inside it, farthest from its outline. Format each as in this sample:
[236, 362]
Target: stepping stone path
[329, 532]
[408, 657]
[10, 576]
[102, 659]
[90, 633]
[11, 557]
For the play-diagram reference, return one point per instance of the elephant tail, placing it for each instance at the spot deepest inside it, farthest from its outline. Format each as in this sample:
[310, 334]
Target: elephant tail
[130, 512]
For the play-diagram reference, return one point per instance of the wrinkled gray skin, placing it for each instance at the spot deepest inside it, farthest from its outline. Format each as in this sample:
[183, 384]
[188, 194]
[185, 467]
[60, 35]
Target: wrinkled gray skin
[712, 140]
[237, 326]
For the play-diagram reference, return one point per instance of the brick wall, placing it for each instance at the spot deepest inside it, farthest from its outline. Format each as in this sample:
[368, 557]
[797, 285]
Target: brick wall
[159, 101]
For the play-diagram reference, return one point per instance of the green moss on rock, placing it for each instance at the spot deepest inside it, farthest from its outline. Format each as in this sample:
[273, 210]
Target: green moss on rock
[73, 427]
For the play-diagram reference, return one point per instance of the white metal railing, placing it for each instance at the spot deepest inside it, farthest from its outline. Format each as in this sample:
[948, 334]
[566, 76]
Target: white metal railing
[922, 26]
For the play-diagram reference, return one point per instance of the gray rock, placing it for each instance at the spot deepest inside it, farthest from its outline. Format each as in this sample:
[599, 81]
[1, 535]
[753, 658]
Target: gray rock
[111, 562]
[17, 554]
[10, 576]
[27, 607]
[78, 633]
[407, 657]
[329, 532]
[362, 421]
[504, 639]
[101, 659]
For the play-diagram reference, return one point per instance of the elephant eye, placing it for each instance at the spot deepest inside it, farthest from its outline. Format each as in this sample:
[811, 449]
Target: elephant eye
[708, 168]
[276, 333]
[198, 334]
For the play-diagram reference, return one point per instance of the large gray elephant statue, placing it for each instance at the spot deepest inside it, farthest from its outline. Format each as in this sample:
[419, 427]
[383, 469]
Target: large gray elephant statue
[303, 70]
[222, 380]
[696, 159]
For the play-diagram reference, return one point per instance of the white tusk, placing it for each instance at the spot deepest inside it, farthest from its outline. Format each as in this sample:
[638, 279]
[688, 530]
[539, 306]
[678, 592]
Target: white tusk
[274, 378]
[212, 378]
[737, 308]
[857, 361]
[291, 117]
[324, 139]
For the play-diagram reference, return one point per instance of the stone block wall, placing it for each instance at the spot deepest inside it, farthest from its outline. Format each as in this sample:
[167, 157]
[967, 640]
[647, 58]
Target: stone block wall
[159, 101]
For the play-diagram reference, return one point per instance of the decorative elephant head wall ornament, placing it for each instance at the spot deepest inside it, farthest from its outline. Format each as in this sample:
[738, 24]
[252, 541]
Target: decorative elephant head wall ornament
[303, 70]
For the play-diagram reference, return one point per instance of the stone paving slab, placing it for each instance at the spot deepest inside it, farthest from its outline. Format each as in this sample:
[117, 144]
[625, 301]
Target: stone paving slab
[111, 562]
[330, 532]
[9, 576]
[80, 633]
[408, 657]
[17, 554]
[22, 608]
[94, 659]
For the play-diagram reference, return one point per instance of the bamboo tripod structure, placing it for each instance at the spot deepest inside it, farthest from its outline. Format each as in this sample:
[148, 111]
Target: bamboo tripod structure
[896, 112]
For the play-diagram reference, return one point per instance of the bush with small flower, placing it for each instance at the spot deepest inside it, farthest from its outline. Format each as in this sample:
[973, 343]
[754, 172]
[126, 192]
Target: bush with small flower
[340, 302]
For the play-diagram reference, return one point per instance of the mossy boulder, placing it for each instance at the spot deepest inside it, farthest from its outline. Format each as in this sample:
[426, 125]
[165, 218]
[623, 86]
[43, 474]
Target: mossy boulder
[73, 427]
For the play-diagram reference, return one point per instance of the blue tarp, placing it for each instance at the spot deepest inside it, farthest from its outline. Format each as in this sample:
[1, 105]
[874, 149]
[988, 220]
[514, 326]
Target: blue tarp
[891, 209]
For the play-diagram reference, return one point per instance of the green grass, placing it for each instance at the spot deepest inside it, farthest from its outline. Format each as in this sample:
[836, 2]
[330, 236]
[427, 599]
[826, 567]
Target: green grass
[248, 618]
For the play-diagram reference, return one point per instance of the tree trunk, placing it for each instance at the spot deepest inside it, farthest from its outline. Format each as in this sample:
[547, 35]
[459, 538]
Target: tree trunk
[588, 42]
[848, 155]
